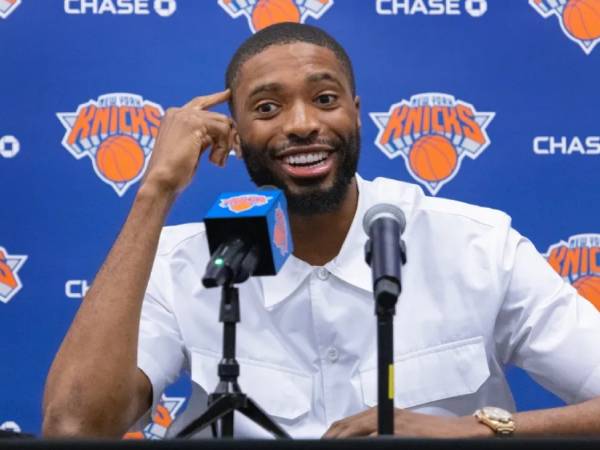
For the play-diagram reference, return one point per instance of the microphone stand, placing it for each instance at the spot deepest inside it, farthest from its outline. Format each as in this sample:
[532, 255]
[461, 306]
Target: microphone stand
[233, 262]
[386, 292]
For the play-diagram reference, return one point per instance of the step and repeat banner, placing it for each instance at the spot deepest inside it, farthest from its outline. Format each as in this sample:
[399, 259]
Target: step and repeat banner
[490, 102]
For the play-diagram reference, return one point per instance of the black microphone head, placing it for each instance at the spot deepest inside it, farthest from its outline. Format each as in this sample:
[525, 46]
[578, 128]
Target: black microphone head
[384, 210]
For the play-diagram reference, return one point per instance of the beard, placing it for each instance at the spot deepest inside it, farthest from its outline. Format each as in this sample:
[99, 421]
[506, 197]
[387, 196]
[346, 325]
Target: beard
[312, 198]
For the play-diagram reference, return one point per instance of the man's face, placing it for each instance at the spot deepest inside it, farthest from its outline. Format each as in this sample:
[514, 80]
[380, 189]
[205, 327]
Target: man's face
[298, 124]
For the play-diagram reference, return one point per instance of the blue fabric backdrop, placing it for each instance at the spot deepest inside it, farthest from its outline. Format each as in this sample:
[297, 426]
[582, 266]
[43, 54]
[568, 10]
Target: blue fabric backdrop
[490, 102]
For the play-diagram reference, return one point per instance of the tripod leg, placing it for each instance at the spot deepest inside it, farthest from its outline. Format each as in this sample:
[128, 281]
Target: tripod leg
[258, 416]
[227, 425]
[215, 411]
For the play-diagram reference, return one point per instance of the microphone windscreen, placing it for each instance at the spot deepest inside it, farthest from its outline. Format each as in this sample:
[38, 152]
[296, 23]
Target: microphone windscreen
[384, 210]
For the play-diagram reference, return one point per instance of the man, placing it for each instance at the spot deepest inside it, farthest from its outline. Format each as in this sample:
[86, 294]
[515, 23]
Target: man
[476, 294]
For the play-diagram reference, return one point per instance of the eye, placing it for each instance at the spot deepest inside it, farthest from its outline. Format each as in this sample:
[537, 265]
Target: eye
[326, 99]
[266, 108]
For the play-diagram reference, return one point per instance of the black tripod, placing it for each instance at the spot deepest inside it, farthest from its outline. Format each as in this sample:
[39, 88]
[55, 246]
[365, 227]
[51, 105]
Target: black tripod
[233, 262]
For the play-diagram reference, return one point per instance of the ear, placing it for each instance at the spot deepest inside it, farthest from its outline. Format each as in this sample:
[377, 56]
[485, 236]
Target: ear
[236, 143]
[357, 105]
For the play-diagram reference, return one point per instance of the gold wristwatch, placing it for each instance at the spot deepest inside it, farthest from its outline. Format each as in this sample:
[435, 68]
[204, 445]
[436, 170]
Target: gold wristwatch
[498, 419]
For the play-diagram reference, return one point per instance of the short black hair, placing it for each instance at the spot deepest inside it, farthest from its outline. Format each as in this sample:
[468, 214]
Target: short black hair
[286, 33]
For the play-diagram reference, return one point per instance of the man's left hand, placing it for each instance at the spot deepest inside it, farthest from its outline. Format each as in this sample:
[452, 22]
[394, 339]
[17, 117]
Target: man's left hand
[408, 423]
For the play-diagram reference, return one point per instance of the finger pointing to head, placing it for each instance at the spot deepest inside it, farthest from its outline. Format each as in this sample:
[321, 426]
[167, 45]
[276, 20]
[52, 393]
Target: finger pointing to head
[208, 101]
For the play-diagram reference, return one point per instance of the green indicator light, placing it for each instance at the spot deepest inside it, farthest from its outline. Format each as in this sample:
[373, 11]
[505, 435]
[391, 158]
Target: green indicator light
[219, 261]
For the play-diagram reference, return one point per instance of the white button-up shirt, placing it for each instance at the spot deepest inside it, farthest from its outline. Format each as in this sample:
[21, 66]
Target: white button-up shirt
[476, 296]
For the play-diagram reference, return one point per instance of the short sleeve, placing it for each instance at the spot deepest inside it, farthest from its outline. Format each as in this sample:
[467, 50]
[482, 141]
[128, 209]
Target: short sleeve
[160, 347]
[545, 327]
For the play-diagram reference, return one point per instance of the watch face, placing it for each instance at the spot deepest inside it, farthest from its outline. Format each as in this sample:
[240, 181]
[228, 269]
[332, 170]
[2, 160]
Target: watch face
[497, 414]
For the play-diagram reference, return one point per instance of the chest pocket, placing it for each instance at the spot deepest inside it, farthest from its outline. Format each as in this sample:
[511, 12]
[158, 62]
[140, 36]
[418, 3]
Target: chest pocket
[279, 391]
[444, 371]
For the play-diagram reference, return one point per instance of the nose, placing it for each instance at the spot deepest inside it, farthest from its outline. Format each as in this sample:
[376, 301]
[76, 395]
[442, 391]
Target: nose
[301, 121]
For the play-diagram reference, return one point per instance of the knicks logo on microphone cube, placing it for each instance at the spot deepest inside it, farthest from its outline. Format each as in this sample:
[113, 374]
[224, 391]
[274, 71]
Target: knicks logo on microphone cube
[259, 218]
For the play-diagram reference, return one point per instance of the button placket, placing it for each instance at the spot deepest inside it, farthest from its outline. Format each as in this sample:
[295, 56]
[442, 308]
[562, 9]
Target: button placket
[332, 354]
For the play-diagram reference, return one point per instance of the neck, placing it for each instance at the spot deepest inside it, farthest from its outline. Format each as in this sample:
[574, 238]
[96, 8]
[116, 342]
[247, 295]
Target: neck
[319, 238]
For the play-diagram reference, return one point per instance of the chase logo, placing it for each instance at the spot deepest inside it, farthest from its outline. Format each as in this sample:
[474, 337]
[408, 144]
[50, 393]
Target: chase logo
[163, 417]
[280, 231]
[7, 7]
[117, 133]
[433, 132]
[10, 283]
[262, 13]
[243, 203]
[579, 19]
[578, 262]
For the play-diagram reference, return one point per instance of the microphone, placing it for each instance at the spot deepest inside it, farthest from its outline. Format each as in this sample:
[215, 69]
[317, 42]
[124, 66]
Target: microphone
[248, 234]
[385, 252]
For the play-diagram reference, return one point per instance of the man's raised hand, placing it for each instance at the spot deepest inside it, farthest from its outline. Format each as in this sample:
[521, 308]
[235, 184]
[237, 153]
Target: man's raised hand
[184, 134]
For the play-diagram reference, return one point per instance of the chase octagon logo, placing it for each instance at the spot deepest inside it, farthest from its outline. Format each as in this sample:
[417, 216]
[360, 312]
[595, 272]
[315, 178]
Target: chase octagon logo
[579, 19]
[7, 7]
[116, 132]
[433, 133]
[263, 13]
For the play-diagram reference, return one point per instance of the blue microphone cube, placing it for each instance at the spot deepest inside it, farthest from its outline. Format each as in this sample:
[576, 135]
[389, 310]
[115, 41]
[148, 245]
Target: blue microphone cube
[258, 217]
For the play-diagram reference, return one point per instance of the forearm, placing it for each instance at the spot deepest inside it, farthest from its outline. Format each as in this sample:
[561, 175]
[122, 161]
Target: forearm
[94, 378]
[579, 419]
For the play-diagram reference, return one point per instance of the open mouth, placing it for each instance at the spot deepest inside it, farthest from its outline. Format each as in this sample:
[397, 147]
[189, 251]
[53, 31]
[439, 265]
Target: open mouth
[307, 162]
[306, 159]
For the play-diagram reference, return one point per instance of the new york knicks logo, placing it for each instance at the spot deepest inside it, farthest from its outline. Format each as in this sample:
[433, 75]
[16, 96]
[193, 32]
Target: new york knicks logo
[262, 13]
[579, 19]
[433, 132]
[578, 262]
[116, 132]
[10, 283]
[280, 231]
[7, 7]
[242, 203]
[163, 417]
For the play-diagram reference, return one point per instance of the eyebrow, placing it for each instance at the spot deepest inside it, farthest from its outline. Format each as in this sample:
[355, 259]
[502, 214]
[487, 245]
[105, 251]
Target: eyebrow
[266, 87]
[323, 76]
[278, 87]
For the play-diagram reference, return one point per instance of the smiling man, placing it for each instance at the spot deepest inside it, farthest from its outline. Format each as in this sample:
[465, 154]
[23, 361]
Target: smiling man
[477, 296]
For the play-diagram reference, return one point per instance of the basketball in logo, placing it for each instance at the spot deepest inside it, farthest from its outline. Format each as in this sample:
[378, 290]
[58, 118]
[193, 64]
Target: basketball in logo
[120, 158]
[269, 12]
[589, 287]
[582, 19]
[263, 13]
[433, 158]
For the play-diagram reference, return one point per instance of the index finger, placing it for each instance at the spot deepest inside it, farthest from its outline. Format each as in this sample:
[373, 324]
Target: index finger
[208, 101]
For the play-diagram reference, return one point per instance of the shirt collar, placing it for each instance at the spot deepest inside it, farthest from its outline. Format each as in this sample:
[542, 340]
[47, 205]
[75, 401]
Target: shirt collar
[349, 265]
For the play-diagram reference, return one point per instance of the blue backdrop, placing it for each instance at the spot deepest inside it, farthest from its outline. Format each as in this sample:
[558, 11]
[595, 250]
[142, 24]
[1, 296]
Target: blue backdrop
[489, 102]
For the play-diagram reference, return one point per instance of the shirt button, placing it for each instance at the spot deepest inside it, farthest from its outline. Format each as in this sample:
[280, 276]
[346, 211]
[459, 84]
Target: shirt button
[322, 273]
[333, 354]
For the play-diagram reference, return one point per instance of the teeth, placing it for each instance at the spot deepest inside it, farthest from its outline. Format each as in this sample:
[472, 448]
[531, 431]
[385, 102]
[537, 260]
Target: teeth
[306, 158]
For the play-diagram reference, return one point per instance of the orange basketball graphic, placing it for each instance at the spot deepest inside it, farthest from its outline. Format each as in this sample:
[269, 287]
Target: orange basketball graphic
[589, 287]
[433, 158]
[120, 158]
[269, 12]
[582, 19]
